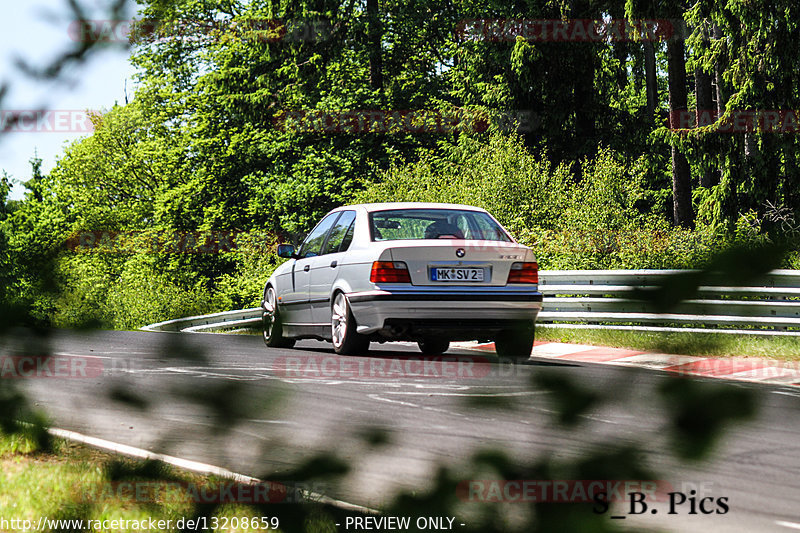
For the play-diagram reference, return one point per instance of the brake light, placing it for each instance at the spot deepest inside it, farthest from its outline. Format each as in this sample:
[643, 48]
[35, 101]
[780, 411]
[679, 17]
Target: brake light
[524, 273]
[389, 272]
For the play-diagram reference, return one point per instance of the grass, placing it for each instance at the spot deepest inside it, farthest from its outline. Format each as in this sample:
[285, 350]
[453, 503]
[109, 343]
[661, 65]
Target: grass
[74, 482]
[689, 343]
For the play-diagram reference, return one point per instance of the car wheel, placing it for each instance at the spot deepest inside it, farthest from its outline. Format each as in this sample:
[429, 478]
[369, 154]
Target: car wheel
[271, 320]
[346, 340]
[515, 345]
[432, 346]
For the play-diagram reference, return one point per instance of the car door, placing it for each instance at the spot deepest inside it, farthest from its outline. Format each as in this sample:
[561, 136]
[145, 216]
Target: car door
[295, 301]
[325, 271]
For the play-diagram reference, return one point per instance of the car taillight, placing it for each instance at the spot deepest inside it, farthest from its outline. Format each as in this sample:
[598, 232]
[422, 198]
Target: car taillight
[389, 272]
[524, 273]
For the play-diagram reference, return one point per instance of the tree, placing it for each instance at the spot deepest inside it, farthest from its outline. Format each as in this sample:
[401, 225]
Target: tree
[5, 188]
[6, 278]
[750, 53]
[681, 177]
[375, 52]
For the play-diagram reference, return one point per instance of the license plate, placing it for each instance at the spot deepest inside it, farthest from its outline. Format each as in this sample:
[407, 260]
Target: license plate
[456, 274]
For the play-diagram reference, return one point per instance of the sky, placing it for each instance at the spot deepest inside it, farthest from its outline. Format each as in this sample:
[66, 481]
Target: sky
[37, 31]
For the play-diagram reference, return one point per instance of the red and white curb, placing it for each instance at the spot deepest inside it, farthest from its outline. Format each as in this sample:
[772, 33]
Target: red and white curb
[754, 369]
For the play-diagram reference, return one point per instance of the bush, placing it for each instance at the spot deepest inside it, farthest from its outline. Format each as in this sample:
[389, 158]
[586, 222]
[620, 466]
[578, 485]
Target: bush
[601, 222]
[82, 284]
[254, 262]
[499, 175]
[145, 293]
[604, 221]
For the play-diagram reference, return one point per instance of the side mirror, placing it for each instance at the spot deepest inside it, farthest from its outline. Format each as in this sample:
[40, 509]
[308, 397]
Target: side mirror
[286, 251]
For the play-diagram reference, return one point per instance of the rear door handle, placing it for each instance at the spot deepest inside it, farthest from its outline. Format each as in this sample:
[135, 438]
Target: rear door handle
[333, 264]
[306, 268]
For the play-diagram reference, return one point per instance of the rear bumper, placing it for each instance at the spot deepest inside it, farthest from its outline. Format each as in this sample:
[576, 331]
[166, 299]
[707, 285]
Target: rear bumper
[459, 314]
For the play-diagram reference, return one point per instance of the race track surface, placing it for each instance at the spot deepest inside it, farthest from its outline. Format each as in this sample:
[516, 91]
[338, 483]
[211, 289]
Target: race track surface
[229, 401]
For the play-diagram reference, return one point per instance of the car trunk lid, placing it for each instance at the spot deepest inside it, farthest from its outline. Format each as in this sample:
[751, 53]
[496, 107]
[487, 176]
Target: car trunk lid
[458, 262]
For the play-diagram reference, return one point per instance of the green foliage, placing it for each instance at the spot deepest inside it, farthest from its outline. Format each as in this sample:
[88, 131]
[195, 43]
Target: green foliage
[6, 278]
[498, 174]
[601, 222]
[254, 262]
[198, 150]
[144, 293]
[83, 285]
[587, 184]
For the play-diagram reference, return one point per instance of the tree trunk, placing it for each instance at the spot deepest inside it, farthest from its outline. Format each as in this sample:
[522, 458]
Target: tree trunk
[583, 102]
[621, 55]
[791, 189]
[705, 103]
[584, 66]
[681, 179]
[374, 38]
[722, 95]
[651, 84]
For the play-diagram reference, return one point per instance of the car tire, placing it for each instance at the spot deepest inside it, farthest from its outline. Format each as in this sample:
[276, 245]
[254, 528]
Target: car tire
[345, 338]
[271, 322]
[515, 345]
[431, 346]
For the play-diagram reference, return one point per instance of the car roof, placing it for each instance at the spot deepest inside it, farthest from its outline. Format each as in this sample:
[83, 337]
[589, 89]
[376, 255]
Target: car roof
[409, 205]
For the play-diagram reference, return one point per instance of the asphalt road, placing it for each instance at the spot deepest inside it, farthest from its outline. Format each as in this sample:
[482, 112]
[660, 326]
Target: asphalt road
[231, 402]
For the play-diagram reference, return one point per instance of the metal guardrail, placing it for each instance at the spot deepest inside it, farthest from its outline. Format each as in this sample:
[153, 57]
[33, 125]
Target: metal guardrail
[600, 299]
[224, 320]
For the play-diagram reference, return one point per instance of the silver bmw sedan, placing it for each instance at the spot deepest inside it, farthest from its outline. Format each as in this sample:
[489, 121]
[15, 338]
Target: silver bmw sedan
[424, 272]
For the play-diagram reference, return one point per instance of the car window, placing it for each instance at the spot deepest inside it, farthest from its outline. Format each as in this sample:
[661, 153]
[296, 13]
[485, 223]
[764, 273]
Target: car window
[464, 227]
[484, 228]
[313, 243]
[339, 232]
[348, 237]
[405, 224]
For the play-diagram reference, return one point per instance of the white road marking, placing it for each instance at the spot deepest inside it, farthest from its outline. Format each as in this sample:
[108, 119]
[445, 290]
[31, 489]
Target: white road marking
[95, 354]
[790, 525]
[205, 372]
[467, 394]
[786, 393]
[66, 354]
[398, 402]
[424, 407]
[766, 373]
[654, 360]
[482, 395]
[267, 373]
[139, 453]
[557, 349]
[201, 468]
[598, 419]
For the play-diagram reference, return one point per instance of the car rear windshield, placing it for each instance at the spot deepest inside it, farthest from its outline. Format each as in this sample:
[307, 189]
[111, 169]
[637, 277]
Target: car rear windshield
[410, 224]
